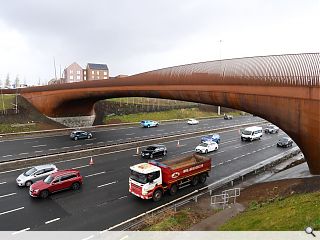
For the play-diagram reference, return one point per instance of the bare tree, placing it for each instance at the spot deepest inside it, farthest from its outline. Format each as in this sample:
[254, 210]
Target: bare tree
[7, 83]
[17, 81]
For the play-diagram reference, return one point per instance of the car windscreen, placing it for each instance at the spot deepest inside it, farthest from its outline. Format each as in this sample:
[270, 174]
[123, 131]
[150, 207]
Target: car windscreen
[203, 145]
[48, 179]
[30, 172]
[245, 132]
[139, 177]
[284, 140]
[151, 148]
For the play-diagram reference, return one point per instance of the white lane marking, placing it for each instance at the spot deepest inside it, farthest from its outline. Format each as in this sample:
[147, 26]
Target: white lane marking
[7, 195]
[13, 210]
[2, 183]
[87, 238]
[42, 145]
[130, 134]
[53, 220]
[20, 231]
[7, 155]
[95, 174]
[65, 147]
[81, 166]
[103, 185]
[228, 161]
[220, 163]
[123, 197]
[38, 151]
[89, 144]
[52, 149]
[186, 151]
[23, 153]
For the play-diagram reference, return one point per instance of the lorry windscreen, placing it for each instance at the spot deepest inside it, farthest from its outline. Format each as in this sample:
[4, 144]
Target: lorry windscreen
[139, 177]
[247, 132]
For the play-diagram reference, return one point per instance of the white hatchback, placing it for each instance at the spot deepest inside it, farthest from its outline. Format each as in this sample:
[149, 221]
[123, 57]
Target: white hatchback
[206, 147]
[192, 121]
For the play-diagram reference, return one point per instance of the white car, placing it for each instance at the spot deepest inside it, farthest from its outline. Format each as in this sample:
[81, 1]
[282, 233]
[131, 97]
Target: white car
[192, 121]
[207, 147]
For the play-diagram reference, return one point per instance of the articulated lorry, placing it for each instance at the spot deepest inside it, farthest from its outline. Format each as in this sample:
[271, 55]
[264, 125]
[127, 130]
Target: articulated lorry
[153, 179]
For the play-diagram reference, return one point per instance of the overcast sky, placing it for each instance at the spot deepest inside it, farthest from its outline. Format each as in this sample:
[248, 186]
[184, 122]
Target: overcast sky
[133, 36]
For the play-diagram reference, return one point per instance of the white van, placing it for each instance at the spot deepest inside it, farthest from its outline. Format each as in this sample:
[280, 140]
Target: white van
[251, 133]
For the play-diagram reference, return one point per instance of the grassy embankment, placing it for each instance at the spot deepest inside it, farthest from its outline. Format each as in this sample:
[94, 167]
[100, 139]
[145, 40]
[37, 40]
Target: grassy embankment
[293, 213]
[165, 115]
[6, 102]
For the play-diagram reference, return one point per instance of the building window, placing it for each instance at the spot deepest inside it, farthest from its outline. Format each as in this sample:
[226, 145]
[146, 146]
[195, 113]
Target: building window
[105, 73]
[92, 77]
[71, 77]
[78, 72]
[84, 78]
[84, 72]
[78, 77]
[98, 77]
[92, 72]
[98, 72]
[71, 71]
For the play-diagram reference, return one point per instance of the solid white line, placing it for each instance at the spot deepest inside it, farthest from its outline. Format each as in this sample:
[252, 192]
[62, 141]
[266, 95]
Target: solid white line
[7, 195]
[53, 220]
[43, 145]
[3, 183]
[7, 155]
[106, 184]
[23, 230]
[87, 238]
[122, 197]
[81, 166]
[95, 174]
[13, 210]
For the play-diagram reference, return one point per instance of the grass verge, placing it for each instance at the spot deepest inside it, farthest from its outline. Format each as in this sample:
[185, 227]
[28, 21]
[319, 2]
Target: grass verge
[12, 128]
[7, 101]
[294, 213]
[165, 115]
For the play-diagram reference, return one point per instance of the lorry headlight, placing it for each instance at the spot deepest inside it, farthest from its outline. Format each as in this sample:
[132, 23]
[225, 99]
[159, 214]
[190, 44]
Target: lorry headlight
[144, 192]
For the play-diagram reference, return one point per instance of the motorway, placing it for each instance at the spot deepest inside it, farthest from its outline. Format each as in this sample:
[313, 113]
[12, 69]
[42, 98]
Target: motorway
[26, 147]
[104, 200]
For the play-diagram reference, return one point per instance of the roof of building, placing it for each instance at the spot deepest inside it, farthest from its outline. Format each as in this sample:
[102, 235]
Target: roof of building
[97, 66]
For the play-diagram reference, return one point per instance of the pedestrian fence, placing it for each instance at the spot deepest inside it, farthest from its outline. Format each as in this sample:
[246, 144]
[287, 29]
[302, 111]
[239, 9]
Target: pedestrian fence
[226, 197]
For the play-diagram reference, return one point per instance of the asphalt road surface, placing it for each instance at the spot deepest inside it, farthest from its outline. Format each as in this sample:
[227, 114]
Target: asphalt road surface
[104, 200]
[25, 147]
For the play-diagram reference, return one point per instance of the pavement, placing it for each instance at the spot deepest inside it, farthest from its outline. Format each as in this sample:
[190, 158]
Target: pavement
[285, 170]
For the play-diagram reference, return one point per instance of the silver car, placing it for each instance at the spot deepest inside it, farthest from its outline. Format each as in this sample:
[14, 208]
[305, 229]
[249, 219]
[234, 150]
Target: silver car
[35, 174]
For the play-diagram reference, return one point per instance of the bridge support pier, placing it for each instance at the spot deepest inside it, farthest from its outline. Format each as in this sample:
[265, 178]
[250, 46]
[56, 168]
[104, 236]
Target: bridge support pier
[74, 122]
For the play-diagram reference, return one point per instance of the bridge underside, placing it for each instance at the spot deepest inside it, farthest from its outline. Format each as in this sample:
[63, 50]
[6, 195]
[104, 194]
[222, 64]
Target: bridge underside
[284, 90]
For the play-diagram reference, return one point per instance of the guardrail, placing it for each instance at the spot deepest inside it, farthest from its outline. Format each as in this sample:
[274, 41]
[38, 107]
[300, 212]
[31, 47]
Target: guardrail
[193, 196]
[44, 157]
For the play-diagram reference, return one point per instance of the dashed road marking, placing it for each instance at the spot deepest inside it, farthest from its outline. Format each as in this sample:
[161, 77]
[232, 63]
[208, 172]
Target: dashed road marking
[23, 153]
[7, 195]
[20, 231]
[13, 210]
[43, 145]
[81, 166]
[7, 156]
[2, 183]
[95, 174]
[53, 220]
[107, 184]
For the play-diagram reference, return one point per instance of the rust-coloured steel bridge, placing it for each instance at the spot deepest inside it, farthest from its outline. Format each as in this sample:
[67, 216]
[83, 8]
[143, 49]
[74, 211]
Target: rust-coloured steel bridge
[283, 89]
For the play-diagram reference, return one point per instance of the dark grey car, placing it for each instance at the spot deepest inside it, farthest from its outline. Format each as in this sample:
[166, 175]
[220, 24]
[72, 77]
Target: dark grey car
[285, 142]
[154, 151]
[79, 134]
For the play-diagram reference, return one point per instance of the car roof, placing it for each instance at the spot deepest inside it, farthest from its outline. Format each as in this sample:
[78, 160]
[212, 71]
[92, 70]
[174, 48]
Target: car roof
[39, 167]
[63, 172]
[156, 145]
[253, 128]
[285, 138]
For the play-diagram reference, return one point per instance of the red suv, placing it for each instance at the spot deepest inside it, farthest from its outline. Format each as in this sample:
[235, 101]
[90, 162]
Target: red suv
[60, 180]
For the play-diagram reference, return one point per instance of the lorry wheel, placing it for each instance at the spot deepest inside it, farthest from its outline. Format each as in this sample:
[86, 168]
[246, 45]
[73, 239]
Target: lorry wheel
[195, 181]
[203, 178]
[173, 190]
[157, 195]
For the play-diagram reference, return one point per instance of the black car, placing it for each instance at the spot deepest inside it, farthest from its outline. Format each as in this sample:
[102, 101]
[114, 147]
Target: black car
[154, 151]
[285, 142]
[79, 134]
[227, 117]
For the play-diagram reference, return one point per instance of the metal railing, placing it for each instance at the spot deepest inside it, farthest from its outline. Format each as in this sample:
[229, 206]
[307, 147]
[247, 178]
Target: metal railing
[225, 197]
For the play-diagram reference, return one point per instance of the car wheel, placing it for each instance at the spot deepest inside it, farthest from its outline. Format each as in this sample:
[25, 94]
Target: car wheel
[216, 149]
[157, 195]
[75, 186]
[206, 151]
[242, 139]
[44, 194]
[203, 178]
[89, 136]
[173, 189]
[28, 183]
[164, 153]
[151, 156]
[148, 126]
[195, 181]
[75, 138]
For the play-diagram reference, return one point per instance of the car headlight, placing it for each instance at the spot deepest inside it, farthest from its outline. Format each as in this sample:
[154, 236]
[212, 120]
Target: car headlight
[36, 191]
[18, 180]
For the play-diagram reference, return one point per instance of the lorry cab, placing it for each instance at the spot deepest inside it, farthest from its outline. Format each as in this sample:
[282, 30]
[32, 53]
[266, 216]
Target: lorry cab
[251, 133]
[144, 178]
